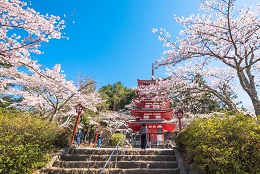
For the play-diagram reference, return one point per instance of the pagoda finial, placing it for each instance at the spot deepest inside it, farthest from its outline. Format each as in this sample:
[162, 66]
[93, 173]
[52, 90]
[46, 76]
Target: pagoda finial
[153, 67]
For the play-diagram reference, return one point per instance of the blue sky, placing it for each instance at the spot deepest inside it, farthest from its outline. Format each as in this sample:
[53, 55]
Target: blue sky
[111, 40]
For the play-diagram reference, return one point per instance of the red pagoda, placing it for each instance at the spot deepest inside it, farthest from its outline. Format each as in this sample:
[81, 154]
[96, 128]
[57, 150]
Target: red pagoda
[157, 115]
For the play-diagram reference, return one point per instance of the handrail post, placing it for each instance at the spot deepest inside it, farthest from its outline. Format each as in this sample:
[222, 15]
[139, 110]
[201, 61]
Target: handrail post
[109, 159]
[116, 156]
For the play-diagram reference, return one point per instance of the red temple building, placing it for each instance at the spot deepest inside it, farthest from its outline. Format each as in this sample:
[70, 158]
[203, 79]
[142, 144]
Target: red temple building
[157, 115]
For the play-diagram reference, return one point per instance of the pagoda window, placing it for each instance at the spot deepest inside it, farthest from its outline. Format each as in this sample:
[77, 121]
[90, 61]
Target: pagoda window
[159, 136]
[156, 106]
[146, 117]
[147, 106]
[157, 117]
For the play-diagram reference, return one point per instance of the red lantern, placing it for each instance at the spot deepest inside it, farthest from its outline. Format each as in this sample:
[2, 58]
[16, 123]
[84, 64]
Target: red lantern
[179, 114]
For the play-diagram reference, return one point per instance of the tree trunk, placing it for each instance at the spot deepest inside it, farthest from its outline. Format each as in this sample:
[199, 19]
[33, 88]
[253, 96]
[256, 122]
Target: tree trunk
[256, 104]
[248, 84]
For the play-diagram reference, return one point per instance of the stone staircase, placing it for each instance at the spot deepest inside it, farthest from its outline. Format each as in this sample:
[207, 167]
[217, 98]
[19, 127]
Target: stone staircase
[129, 161]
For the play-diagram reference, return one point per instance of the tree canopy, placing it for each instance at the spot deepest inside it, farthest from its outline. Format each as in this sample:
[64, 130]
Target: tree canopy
[223, 37]
[116, 96]
[22, 80]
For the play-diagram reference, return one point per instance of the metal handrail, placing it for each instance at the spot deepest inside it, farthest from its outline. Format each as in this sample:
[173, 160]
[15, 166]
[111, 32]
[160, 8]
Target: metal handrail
[116, 148]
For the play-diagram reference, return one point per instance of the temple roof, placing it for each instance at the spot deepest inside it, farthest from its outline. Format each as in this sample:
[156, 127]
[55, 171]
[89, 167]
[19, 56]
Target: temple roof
[139, 100]
[151, 110]
[152, 121]
[145, 82]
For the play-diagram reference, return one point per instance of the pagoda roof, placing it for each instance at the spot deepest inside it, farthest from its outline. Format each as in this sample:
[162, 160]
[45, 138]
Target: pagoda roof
[146, 82]
[153, 121]
[151, 100]
[151, 110]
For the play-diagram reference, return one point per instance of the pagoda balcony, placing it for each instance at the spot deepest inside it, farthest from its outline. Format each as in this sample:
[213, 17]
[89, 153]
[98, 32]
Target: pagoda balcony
[140, 104]
[152, 114]
[150, 96]
[152, 124]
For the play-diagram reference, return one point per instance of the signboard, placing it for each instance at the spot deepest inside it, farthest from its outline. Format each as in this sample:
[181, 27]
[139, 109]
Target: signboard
[179, 114]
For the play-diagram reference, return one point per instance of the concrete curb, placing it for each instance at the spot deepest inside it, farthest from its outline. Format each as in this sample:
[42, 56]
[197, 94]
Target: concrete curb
[180, 162]
[54, 158]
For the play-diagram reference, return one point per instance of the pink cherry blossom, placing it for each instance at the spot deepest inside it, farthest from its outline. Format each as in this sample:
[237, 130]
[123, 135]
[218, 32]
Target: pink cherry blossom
[45, 91]
[225, 34]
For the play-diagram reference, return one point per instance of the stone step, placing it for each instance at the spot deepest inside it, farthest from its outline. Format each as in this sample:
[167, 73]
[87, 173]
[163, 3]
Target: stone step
[103, 151]
[111, 171]
[80, 157]
[120, 164]
[129, 161]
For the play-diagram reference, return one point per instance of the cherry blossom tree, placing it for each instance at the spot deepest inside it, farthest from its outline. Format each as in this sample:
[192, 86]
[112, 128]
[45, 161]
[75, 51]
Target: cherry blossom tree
[22, 31]
[224, 34]
[191, 82]
[195, 81]
[50, 94]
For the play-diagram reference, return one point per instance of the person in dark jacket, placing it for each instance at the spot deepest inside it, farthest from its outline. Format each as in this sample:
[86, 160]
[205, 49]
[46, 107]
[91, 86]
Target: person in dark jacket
[77, 138]
[143, 132]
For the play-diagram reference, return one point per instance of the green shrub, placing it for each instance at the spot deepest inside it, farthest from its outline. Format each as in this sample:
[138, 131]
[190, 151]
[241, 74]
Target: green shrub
[25, 142]
[63, 137]
[115, 139]
[223, 144]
